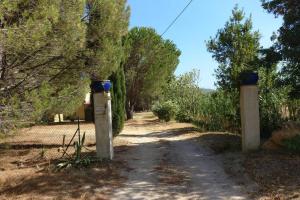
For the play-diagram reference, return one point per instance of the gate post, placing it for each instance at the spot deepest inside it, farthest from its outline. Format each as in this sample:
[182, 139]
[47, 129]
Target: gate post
[103, 119]
[249, 103]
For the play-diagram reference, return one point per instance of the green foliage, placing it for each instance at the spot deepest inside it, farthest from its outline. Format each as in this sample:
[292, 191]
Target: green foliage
[40, 42]
[287, 41]
[217, 112]
[118, 94]
[272, 99]
[183, 116]
[293, 106]
[292, 144]
[235, 48]
[271, 105]
[185, 92]
[165, 111]
[78, 145]
[40, 46]
[49, 51]
[203, 109]
[107, 23]
[149, 63]
[77, 160]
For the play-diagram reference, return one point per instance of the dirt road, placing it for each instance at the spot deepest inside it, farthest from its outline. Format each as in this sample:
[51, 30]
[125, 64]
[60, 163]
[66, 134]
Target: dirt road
[166, 162]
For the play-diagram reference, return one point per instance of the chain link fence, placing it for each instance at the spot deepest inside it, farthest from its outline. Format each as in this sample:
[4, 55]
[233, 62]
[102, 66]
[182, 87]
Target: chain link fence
[51, 140]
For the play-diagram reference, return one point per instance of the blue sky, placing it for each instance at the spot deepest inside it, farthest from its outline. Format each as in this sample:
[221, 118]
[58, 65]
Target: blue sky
[199, 22]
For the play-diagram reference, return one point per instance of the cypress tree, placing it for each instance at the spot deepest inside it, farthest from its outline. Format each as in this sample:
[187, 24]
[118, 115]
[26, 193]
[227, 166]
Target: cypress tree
[118, 94]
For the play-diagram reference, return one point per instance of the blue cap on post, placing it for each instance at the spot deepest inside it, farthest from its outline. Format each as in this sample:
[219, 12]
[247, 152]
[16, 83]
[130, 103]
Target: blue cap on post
[100, 86]
[106, 85]
[249, 78]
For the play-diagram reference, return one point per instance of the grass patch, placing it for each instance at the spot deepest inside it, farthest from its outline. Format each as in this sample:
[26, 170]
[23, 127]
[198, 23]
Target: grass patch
[292, 144]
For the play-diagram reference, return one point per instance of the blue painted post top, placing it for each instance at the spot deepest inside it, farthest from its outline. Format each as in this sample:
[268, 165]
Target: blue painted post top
[249, 78]
[100, 86]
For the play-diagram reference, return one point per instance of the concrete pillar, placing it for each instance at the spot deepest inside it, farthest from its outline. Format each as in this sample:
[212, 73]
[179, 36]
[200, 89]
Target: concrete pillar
[103, 125]
[250, 117]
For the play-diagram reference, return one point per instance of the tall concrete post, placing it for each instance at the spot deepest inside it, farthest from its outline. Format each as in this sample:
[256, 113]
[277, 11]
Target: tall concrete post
[103, 125]
[250, 117]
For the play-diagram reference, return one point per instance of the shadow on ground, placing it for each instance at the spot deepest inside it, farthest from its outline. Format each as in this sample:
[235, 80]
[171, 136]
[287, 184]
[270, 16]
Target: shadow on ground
[146, 123]
[101, 180]
[95, 181]
[169, 133]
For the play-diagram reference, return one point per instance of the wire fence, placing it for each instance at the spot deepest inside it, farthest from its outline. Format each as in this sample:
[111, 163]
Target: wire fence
[50, 140]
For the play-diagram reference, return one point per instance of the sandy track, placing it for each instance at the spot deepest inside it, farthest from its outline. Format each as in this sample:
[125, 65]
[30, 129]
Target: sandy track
[166, 162]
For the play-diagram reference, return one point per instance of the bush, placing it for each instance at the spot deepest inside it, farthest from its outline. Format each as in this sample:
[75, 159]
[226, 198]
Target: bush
[183, 116]
[184, 90]
[218, 112]
[270, 107]
[165, 111]
[210, 110]
[292, 144]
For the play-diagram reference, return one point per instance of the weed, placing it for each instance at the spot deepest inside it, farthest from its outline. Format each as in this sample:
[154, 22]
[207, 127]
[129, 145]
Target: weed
[77, 160]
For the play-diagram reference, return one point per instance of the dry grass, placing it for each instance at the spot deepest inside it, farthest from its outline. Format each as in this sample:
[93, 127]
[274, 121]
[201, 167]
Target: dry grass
[27, 162]
[277, 173]
[48, 135]
[25, 174]
[32, 177]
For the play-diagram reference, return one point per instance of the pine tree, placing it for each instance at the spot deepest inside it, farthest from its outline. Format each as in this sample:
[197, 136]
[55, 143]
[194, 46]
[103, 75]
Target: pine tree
[107, 23]
[50, 48]
[41, 49]
[288, 41]
[151, 60]
[235, 48]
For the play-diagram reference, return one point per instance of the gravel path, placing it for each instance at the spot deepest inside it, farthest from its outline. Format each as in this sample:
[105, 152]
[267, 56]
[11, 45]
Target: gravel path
[166, 163]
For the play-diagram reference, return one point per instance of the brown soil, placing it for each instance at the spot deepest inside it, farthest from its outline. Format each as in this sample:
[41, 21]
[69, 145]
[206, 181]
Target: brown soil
[26, 168]
[49, 135]
[276, 173]
[29, 174]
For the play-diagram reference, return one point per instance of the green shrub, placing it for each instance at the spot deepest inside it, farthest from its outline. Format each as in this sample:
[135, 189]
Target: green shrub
[292, 144]
[183, 116]
[209, 110]
[218, 112]
[271, 103]
[165, 111]
[184, 90]
[273, 99]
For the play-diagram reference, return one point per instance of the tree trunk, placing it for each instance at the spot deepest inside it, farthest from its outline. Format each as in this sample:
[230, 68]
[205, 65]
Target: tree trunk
[2, 64]
[129, 111]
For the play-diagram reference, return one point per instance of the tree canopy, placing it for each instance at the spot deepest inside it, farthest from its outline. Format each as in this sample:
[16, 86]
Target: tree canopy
[235, 48]
[150, 61]
[40, 42]
[107, 24]
[50, 49]
[288, 40]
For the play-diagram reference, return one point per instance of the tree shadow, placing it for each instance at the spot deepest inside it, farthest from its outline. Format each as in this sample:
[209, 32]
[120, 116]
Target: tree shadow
[222, 142]
[145, 123]
[168, 133]
[102, 179]
[94, 181]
